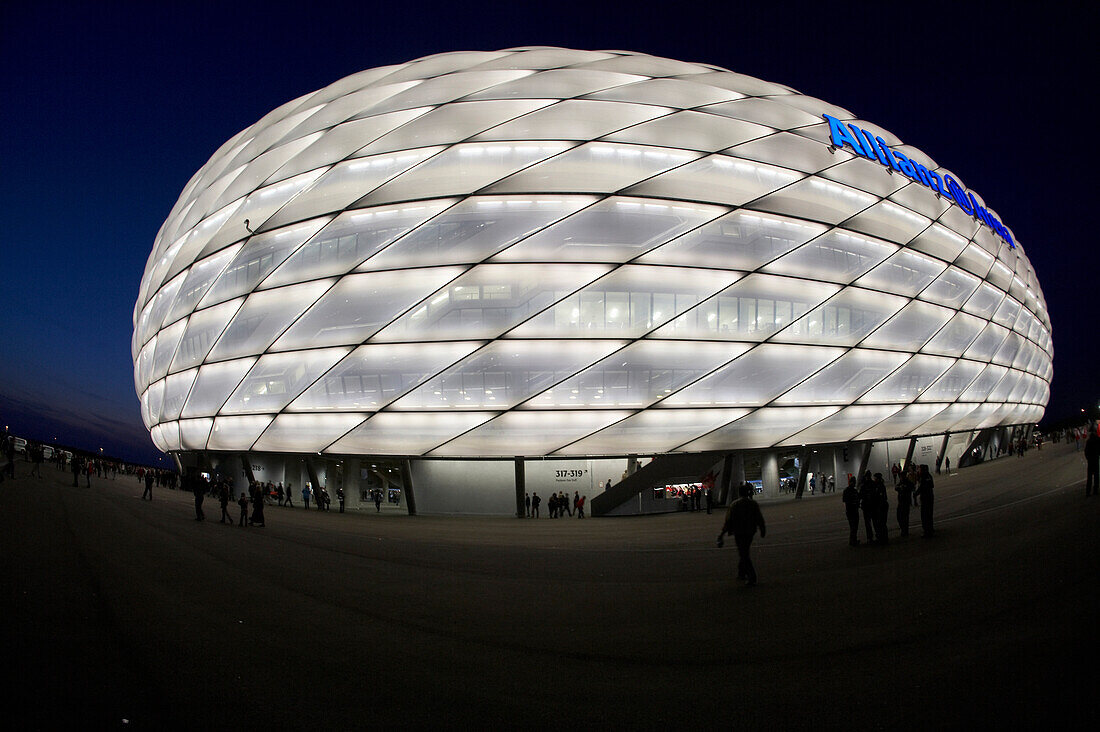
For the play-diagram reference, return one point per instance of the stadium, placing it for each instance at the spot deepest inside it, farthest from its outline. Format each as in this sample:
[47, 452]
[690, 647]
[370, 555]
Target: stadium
[478, 275]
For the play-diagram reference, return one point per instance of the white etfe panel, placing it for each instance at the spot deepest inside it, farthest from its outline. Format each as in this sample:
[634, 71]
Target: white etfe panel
[653, 431]
[846, 379]
[718, 179]
[837, 256]
[407, 433]
[762, 428]
[214, 384]
[203, 329]
[375, 374]
[305, 432]
[908, 382]
[529, 433]
[263, 317]
[237, 433]
[361, 304]
[277, 378]
[350, 238]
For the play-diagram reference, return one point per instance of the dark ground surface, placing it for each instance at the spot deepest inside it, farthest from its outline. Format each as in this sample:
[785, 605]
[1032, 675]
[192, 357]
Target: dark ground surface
[117, 609]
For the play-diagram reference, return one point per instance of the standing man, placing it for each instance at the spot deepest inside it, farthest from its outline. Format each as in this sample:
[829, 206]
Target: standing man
[198, 488]
[743, 518]
[535, 501]
[527, 504]
[305, 495]
[148, 485]
[850, 496]
[924, 490]
[340, 497]
[1092, 460]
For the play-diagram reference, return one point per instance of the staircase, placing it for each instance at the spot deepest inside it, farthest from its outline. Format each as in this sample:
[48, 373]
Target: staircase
[664, 469]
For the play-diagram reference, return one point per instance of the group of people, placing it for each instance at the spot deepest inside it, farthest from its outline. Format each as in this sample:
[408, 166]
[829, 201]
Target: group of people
[559, 504]
[914, 486]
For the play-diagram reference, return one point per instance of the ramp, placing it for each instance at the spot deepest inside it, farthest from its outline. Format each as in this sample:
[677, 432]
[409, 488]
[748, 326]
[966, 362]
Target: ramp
[662, 470]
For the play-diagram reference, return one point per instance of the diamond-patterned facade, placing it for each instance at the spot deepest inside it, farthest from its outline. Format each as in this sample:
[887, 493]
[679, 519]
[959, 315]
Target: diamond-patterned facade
[542, 251]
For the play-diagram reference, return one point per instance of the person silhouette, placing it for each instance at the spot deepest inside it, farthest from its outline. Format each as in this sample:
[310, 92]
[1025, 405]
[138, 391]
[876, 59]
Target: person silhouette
[743, 518]
[1092, 463]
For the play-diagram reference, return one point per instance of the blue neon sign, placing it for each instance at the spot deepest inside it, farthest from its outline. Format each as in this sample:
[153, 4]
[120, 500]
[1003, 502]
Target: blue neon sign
[873, 147]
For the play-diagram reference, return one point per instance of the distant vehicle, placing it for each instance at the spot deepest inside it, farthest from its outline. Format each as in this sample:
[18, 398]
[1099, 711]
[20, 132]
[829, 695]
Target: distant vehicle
[47, 452]
[20, 446]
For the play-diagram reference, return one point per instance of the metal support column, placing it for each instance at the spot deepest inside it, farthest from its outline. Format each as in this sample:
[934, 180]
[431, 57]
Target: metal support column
[407, 486]
[521, 485]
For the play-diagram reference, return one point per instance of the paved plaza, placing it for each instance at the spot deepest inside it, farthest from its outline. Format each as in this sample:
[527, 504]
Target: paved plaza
[122, 612]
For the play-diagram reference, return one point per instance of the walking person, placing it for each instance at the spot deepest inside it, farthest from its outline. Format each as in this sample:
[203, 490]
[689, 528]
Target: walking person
[925, 491]
[148, 485]
[905, 489]
[535, 501]
[580, 507]
[289, 499]
[882, 510]
[743, 518]
[198, 489]
[1092, 463]
[378, 500]
[223, 499]
[867, 504]
[850, 497]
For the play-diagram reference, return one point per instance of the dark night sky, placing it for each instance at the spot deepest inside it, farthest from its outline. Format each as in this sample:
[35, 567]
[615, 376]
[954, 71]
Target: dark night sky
[109, 108]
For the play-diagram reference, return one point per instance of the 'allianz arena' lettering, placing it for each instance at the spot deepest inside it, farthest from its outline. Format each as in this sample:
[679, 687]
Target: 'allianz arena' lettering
[873, 147]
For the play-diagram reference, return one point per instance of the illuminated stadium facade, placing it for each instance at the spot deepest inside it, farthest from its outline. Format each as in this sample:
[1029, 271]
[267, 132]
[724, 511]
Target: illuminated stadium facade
[484, 273]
